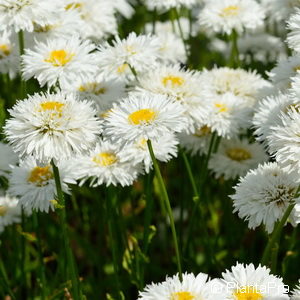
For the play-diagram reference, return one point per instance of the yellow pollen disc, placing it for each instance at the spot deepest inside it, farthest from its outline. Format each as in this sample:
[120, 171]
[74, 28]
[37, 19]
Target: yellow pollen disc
[142, 116]
[238, 154]
[142, 143]
[296, 69]
[105, 159]
[203, 131]
[74, 5]
[40, 175]
[295, 106]
[52, 105]
[248, 293]
[173, 80]
[92, 87]
[130, 50]
[229, 11]
[4, 50]
[59, 58]
[3, 210]
[222, 107]
[122, 68]
[182, 296]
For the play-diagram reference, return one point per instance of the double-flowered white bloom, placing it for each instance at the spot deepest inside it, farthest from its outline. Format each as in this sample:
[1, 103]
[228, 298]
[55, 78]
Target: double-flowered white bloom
[191, 287]
[250, 282]
[34, 184]
[264, 194]
[23, 14]
[104, 165]
[10, 212]
[139, 52]
[145, 116]
[52, 126]
[235, 158]
[224, 16]
[59, 61]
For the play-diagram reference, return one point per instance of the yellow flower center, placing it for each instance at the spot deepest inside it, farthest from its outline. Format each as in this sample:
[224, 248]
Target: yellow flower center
[182, 296]
[203, 131]
[105, 159]
[52, 105]
[229, 11]
[122, 68]
[248, 293]
[173, 80]
[142, 143]
[59, 58]
[130, 50]
[142, 116]
[92, 87]
[295, 106]
[221, 107]
[4, 51]
[74, 5]
[40, 175]
[40, 29]
[238, 154]
[3, 210]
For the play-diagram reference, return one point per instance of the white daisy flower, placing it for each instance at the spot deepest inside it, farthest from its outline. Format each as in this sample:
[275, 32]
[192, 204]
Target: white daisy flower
[164, 148]
[284, 139]
[264, 194]
[123, 7]
[197, 142]
[34, 184]
[279, 10]
[102, 90]
[191, 287]
[245, 84]
[168, 4]
[49, 126]
[10, 212]
[296, 293]
[228, 116]
[98, 17]
[235, 158]
[140, 52]
[68, 23]
[293, 38]
[103, 165]
[21, 15]
[285, 70]
[248, 282]
[59, 60]
[145, 116]
[261, 47]
[180, 85]
[224, 16]
[9, 54]
[268, 112]
[7, 157]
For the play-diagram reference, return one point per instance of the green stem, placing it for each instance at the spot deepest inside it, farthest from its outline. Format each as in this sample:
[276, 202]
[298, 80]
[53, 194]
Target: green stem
[71, 267]
[276, 235]
[133, 71]
[23, 257]
[41, 266]
[191, 176]
[234, 61]
[112, 235]
[181, 32]
[4, 281]
[23, 85]
[196, 206]
[167, 204]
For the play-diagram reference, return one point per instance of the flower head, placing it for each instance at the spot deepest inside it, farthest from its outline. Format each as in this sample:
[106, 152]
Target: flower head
[59, 60]
[264, 194]
[49, 126]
